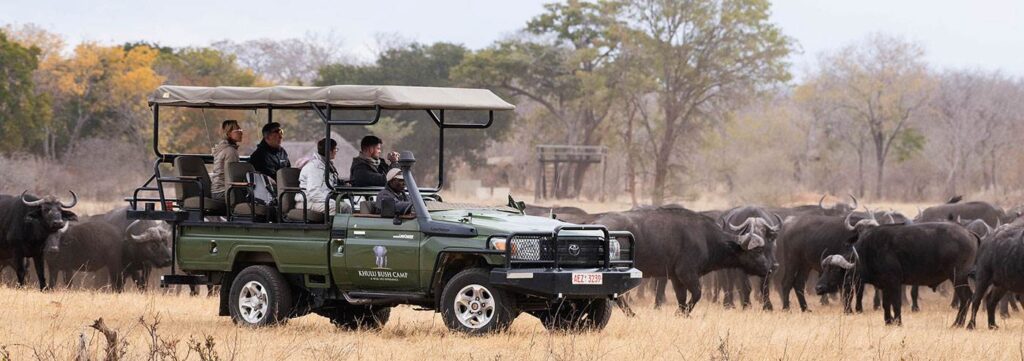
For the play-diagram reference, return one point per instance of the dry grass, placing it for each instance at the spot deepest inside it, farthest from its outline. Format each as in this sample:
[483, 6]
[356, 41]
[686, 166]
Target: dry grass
[49, 325]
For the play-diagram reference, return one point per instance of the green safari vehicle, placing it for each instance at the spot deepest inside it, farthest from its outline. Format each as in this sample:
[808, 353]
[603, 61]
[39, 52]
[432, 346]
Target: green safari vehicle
[479, 266]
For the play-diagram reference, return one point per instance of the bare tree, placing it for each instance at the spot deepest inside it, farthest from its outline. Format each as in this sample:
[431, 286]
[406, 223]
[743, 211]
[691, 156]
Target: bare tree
[881, 83]
[294, 61]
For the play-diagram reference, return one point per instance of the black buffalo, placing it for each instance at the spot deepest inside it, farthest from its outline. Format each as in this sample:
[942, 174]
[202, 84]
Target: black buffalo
[146, 244]
[967, 211]
[88, 247]
[29, 224]
[838, 209]
[889, 256]
[1000, 265]
[801, 245]
[683, 245]
[757, 223]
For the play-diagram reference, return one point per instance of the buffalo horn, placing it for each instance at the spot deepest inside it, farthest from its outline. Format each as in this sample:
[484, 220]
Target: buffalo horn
[129, 228]
[821, 200]
[30, 203]
[855, 202]
[846, 222]
[754, 241]
[838, 261]
[74, 201]
[741, 226]
[777, 225]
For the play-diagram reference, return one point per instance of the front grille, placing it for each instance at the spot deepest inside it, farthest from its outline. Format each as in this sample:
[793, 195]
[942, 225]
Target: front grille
[581, 252]
[572, 251]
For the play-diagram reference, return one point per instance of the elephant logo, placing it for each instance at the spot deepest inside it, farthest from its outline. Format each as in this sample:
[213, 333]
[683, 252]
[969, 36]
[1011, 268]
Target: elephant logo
[381, 254]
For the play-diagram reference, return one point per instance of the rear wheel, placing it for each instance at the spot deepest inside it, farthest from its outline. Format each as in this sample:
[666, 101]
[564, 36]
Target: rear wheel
[361, 317]
[470, 304]
[577, 315]
[259, 296]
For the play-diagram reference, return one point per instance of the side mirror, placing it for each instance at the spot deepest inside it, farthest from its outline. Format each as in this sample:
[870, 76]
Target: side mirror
[406, 160]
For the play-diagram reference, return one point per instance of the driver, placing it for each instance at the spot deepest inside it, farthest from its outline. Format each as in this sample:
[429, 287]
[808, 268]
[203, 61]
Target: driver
[395, 189]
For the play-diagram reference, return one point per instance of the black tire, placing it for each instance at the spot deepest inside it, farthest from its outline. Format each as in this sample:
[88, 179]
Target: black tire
[260, 282]
[495, 307]
[361, 317]
[577, 315]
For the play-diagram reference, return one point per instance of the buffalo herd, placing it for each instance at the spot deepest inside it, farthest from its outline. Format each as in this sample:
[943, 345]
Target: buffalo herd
[46, 231]
[845, 245]
[846, 248]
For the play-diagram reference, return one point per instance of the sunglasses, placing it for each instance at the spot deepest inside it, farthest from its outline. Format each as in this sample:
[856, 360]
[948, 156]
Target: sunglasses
[278, 131]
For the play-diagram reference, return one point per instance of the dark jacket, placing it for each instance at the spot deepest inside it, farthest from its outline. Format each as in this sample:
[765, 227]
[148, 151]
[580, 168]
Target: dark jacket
[401, 199]
[365, 174]
[268, 160]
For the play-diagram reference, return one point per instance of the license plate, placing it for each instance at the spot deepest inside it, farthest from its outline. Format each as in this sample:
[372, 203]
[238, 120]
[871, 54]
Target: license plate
[587, 278]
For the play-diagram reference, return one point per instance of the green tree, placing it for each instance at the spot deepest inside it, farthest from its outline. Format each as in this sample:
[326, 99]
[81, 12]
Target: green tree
[22, 111]
[701, 57]
[419, 65]
[563, 68]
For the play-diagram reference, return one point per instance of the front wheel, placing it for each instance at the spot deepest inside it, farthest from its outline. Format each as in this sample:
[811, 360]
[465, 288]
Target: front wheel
[577, 315]
[260, 296]
[470, 304]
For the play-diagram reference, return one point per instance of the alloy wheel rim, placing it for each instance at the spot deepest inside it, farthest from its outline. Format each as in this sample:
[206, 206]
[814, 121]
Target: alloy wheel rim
[474, 306]
[253, 302]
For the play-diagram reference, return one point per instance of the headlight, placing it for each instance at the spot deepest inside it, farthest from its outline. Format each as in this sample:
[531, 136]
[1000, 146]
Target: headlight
[499, 243]
[614, 249]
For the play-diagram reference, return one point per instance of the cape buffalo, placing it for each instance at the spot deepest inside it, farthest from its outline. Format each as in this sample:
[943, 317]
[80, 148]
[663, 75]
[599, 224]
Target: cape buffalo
[88, 247]
[28, 225]
[801, 244]
[889, 256]
[1000, 265]
[968, 211]
[146, 244]
[682, 245]
[838, 209]
[751, 222]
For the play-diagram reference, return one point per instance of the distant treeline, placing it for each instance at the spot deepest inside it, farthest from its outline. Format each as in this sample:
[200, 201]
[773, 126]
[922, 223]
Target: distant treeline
[688, 96]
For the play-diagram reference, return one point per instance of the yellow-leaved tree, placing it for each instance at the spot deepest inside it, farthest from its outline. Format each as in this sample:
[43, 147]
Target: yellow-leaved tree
[99, 90]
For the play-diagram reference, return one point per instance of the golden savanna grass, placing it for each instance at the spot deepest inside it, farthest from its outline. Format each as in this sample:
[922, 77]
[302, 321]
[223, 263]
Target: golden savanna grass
[48, 325]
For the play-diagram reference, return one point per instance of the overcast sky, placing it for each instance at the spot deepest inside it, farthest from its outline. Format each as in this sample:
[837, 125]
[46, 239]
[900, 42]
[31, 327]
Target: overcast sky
[987, 34]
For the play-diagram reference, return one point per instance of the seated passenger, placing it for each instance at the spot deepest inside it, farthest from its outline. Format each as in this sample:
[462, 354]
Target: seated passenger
[223, 153]
[395, 190]
[311, 178]
[269, 156]
[368, 169]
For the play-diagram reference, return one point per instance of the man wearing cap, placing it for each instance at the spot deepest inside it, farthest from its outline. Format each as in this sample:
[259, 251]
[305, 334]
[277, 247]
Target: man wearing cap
[223, 153]
[269, 156]
[368, 170]
[395, 190]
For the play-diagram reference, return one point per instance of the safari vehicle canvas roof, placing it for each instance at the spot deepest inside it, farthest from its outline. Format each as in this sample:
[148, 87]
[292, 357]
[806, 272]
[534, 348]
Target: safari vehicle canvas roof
[343, 96]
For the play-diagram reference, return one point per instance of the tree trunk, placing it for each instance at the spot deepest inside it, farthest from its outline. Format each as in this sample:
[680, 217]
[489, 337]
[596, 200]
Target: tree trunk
[662, 159]
[879, 175]
[860, 172]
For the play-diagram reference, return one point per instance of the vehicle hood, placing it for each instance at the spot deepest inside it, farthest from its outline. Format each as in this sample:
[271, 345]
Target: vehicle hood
[491, 222]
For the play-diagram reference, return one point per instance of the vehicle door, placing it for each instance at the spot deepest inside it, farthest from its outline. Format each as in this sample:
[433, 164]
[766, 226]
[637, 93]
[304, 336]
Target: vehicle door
[380, 255]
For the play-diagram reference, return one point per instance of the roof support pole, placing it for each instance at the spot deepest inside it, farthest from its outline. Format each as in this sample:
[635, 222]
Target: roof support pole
[440, 151]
